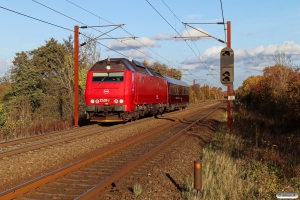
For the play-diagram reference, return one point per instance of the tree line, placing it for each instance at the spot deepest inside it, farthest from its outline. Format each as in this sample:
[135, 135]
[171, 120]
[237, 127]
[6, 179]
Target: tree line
[276, 93]
[36, 94]
[196, 92]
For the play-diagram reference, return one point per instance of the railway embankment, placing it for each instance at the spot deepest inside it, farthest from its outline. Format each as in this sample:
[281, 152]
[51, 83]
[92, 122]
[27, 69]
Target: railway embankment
[251, 162]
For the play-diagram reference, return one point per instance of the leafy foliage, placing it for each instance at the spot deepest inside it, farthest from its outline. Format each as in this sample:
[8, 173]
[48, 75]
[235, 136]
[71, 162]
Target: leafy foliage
[39, 88]
[204, 93]
[166, 71]
[275, 93]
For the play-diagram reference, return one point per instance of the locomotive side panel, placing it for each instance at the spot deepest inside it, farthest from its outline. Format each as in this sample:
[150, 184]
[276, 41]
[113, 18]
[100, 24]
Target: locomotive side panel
[128, 92]
[178, 94]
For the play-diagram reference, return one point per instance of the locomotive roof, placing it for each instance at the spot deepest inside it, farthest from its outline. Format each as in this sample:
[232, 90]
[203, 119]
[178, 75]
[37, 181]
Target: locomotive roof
[125, 64]
[175, 81]
[133, 65]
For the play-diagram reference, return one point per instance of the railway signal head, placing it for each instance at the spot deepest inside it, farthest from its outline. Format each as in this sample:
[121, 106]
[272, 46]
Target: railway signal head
[227, 66]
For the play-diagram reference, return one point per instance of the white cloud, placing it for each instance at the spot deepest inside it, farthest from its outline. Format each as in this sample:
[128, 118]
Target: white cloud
[213, 52]
[140, 54]
[195, 33]
[253, 58]
[162, 36]
[189, 66]
[257, 68]
[187, 34]
[129, 44]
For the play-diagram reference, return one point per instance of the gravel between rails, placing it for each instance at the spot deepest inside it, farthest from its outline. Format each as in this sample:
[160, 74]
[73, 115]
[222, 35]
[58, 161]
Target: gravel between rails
[23, 167]
[164, 175]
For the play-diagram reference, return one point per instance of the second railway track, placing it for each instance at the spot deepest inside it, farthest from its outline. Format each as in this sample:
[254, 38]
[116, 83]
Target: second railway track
[19, 146]
[84, 178]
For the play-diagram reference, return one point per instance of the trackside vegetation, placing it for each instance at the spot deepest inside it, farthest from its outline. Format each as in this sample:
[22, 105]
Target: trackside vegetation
[260, 156]
[36, 93]
[235, 166]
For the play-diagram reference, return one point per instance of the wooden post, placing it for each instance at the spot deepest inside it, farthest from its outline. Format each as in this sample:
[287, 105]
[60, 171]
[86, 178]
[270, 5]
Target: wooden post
[197, 175]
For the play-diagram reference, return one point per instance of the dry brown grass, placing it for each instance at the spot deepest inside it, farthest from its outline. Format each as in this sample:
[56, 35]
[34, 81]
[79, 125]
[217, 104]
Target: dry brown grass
[20, 129]
[247, 165]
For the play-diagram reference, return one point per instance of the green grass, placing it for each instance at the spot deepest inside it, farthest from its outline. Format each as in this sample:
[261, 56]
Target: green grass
[137, 189]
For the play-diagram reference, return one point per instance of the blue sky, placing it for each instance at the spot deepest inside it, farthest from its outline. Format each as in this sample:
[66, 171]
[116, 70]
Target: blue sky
[259, 30]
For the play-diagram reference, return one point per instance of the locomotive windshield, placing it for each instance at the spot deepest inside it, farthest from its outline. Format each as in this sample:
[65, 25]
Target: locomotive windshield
[108, 76]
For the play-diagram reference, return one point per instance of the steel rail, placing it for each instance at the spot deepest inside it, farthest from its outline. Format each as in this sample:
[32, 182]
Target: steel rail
[98, 189]
[47, 135]
[38, 137]
[31, 185]
[49, 143]
[55, 141]
[27, 186]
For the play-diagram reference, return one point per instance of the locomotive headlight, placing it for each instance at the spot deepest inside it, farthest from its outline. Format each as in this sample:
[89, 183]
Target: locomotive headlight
[116, 100]
[97, 101]
[121, 101]
[92, 101]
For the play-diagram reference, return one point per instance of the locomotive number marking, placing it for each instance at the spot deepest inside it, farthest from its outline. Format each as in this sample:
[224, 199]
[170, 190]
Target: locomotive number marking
[104, 100]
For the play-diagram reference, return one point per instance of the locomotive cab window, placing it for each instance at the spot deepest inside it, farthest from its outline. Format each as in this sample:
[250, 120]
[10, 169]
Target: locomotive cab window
[108, 76]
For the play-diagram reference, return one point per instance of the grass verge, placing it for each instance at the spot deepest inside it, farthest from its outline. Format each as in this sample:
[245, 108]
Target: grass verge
[235, 167]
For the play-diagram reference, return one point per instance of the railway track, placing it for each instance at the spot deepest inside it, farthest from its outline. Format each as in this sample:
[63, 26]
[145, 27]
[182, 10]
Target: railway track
[86, 178]
[23, 145]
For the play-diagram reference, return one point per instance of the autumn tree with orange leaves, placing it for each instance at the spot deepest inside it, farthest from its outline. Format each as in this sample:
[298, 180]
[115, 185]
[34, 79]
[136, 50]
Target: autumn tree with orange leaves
[275, 94]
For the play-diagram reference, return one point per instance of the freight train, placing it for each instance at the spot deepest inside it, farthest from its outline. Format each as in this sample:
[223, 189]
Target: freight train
[120, 89]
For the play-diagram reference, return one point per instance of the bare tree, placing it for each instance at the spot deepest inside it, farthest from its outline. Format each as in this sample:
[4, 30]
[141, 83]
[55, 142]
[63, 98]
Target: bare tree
[282, 59]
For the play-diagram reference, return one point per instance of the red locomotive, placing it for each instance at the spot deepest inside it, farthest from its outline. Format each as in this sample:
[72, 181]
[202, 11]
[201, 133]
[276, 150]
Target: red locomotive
[119, 89]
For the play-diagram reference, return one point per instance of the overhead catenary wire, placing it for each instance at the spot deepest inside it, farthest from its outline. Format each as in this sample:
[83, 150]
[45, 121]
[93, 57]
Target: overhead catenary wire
[205, 33]
[223, 19]
[88, 11]
[67, 28]
[185, 28]
[176, 32]
[124, 30]
[203, 62]
[129, 34]
[202, 56]
[93, 28]
[60, 27]
[36, 19]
